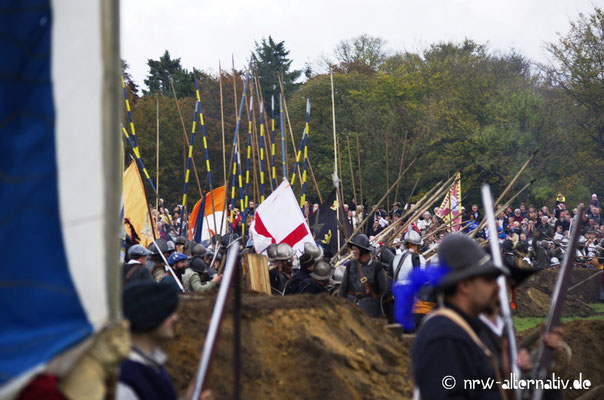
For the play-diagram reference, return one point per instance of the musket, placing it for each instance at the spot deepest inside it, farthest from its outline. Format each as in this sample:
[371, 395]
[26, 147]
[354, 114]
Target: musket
[545, 353]
[487, 202]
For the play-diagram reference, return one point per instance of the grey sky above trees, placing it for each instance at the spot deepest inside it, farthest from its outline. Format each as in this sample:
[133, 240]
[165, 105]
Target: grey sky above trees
[201, 33]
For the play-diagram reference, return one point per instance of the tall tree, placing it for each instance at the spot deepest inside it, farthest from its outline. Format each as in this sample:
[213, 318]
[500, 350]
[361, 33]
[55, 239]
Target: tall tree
[363, 54]
[164, 69]
[130, 84]
[578, 71]
[271, 60]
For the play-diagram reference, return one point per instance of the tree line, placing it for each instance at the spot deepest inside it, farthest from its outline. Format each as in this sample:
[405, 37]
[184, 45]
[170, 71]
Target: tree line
[460, 106]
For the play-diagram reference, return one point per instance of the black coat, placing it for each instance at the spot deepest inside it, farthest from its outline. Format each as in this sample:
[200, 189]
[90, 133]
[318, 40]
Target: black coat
[309, 286]
[293, 285]
[442, 349]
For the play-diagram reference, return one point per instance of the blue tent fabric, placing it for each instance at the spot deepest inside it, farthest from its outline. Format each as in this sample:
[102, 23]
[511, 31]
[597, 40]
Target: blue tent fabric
[41, 313]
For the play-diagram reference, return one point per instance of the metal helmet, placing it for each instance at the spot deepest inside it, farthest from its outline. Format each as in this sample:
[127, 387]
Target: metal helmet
[171, 245]
[338, 273]
[321, 271]
[316, 252]
[284, 252]
[199, 250]
[271, 251]
[412, 237]
[387, 256]
[362, 242]
[180, 240]
[554, 261]
[161, 244]
[176, 257]
[138, 251]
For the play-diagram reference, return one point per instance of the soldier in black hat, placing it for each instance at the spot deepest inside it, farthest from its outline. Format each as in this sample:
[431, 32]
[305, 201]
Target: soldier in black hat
[312, 253]
[448, 350]
[364, 279]
[134, 269]
[151, 309]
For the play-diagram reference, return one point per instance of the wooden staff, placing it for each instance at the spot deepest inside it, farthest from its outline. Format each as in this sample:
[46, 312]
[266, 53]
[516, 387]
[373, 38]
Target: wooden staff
[400, 166]
[423, 204]
[507, 189]
[360, 170]
[185, 135]
[354, 190]
[401, 176]
[387, 173]
[341, 172]
[407, 213]
[265, 141]
[157, 149]
[506, 205]
[291, 133]
[222, 124]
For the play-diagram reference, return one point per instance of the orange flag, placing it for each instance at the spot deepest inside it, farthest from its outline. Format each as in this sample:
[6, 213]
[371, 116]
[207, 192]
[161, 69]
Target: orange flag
[216, 214]
[135, 206]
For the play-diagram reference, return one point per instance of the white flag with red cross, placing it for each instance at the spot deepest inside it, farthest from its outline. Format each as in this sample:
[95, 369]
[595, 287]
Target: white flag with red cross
[279, 219]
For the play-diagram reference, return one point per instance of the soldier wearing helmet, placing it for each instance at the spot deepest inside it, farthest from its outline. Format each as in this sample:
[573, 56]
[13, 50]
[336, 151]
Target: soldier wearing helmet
[156, 264]
[134, 269]
[282, 270]
[410, 258]
[312, 253]
[364, 279]
[404, 264]
[318, 280]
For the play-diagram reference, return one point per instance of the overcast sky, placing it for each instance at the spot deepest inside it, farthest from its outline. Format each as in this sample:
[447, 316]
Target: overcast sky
[202, 32]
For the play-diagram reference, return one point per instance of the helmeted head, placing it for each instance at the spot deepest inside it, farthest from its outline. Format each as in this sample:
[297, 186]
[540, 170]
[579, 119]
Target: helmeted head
[316, 252]
[322, 271]
[271, 251]
[412, 238]
[284, 252]
[137, 251]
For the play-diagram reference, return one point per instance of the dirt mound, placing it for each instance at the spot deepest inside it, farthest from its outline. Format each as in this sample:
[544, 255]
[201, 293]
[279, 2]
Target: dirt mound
[533, 297]
[586, 341]
[303, 347]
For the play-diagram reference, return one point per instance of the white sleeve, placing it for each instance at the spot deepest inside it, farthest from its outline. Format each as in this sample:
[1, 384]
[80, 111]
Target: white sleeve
[125, 392]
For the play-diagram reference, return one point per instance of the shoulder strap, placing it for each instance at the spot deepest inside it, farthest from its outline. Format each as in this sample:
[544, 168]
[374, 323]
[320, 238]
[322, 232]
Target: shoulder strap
[463, 324]
[364, 280]
[400, 264]
[131, 271]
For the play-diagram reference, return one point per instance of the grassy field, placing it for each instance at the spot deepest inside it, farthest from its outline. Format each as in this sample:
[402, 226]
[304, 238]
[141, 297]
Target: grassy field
[524, 323]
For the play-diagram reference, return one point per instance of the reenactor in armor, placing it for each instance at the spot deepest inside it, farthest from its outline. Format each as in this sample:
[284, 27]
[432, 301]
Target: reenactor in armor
[318, 280]
[283, 265]
[312, 253]
[364, 279]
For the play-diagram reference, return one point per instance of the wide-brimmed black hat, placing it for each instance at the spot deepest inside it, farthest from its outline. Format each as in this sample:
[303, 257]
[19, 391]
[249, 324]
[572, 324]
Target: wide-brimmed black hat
[465, 260]
[362, 242]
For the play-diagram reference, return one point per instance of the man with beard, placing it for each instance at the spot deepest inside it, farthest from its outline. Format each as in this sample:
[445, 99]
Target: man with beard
[448, 350]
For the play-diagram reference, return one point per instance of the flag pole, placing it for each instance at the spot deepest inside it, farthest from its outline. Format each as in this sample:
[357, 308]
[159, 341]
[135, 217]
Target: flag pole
[274, 170]
[282, 129]
[360, 171]
[205, 148]
[157, 149]
[354, 190]
[222, 123]
[335, 154]
[185, 136]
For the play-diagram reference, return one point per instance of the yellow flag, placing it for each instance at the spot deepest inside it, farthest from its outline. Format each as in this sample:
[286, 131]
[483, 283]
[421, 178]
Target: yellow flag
[136, 210]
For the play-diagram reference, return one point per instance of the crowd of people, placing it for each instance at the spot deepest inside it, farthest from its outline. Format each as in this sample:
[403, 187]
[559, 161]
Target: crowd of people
[530, 238]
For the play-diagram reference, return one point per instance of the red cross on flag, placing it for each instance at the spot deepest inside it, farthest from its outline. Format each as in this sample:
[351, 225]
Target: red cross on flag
[278, 219]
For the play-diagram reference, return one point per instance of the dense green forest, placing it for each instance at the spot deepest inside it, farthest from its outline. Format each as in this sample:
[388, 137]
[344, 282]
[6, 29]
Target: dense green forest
[460, 106]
